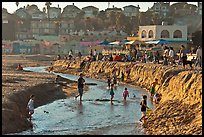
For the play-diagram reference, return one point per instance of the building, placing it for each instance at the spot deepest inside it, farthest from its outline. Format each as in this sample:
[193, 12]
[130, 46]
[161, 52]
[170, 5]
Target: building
[66, 27]
[32, 8]
[161, 8]
[90, 11]
[199, 9]
[22, 13]
[45, 27]
[8, 25]
[167, 32]
[39, 15]
[70, 11]
[131, 10]
[110, 10]
[54, 12]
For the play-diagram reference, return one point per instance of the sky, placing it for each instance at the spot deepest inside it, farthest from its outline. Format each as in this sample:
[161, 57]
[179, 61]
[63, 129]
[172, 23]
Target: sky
[11, 6]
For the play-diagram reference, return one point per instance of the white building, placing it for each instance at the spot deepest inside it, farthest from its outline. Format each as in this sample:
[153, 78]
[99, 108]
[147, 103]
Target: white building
[131, 10]
[167, 32]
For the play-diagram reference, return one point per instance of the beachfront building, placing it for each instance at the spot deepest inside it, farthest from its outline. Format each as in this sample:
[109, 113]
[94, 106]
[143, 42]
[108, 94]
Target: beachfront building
[90, 11]
[173, 33]
[131, 10]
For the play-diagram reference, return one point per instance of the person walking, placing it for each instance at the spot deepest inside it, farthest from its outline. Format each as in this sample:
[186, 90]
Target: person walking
[144, 107]
[81, 83]
[112, 93]
[30, 106]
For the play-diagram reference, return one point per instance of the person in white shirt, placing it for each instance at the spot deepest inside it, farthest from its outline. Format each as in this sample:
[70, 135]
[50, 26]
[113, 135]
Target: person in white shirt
[171, 55]
[30, 106]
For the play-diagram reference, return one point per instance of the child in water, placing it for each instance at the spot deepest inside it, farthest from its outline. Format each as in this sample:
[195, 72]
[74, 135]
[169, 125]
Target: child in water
[109, 82]
[153, 87]
[112, 93]
[125, 94]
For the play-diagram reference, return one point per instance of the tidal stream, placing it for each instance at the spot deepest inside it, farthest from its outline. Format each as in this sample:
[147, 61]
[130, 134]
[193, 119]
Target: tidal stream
[91, 117]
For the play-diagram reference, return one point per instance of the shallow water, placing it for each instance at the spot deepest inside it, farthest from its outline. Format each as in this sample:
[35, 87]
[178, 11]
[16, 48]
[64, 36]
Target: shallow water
[68, 116]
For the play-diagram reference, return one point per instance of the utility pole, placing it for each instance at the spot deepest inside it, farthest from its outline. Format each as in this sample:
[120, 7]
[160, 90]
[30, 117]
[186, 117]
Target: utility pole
[108, 4]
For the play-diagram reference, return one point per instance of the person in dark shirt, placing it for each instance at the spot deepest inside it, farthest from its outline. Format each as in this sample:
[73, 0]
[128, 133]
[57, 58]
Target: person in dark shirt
[81, 82]
[144, 108]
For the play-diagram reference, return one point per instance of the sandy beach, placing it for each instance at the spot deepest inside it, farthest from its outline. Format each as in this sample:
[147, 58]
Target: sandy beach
[17, 86]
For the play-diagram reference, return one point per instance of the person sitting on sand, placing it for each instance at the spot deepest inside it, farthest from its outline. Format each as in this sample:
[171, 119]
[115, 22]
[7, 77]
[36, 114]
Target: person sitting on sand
[57, 79]
[157, 98]
[125, 94]
[19, 67]
[30, 106]
[112, 93]
[153, 87]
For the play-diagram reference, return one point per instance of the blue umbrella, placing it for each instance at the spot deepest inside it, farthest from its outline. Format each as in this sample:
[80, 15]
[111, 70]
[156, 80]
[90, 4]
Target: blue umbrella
[104, 43]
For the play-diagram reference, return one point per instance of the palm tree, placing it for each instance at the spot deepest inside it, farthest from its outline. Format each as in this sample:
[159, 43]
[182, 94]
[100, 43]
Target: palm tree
[48, 8]
[17, 3]
[47, 4]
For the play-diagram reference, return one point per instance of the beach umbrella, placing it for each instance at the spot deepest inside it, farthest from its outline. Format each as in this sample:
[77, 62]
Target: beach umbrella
[130, 42]
[114, 43]
[104, 43]
[124, 41]
[160, 41]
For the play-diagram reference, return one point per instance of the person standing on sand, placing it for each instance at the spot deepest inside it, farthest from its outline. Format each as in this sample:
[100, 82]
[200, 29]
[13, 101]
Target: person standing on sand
[81, 83]
[112, 93]
[183, 55]
[144, 107]
[30, 106]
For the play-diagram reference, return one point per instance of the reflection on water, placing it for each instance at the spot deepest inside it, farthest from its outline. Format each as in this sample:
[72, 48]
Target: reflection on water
[94, 115]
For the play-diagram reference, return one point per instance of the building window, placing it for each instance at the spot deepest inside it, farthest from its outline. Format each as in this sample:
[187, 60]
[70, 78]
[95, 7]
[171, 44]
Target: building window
[165, 34]
[144, 34]
[177, 34]
[151, 34]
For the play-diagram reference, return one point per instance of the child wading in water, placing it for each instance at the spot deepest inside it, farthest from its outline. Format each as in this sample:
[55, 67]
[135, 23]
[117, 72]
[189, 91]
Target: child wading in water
[112, 93]
[109, 83]
[125, 94]
[30, 106]
[144, 108]
[153, 87]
